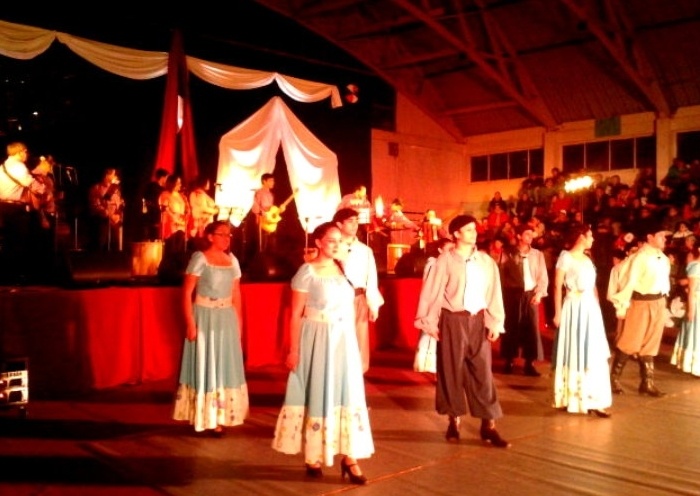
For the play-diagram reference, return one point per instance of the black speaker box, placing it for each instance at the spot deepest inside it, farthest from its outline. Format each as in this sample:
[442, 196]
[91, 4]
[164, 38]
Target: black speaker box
[88, 268]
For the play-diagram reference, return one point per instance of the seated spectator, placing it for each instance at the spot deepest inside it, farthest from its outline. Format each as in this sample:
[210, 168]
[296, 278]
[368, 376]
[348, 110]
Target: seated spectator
[561, 201]
[531, 186]
[547, 192]
[497, 200]
[670, 218]
[612, 186]
[497, 218]
[525, 207]
[649, 195]
[676, 170]
[681, 232]
[645, 176]
[691, 208]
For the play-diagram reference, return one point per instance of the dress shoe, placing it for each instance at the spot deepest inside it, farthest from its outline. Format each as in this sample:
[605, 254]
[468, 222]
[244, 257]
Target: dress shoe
[452, 433]
[491, 436]
[600, 413]
[531, 371]
[508, 368]
[346, 470]
[314, 471]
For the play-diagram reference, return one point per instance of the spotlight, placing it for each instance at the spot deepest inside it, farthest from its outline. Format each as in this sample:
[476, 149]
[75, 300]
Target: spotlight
[352, 92]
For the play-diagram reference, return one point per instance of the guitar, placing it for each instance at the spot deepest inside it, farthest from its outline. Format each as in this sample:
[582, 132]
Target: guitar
[270, 219]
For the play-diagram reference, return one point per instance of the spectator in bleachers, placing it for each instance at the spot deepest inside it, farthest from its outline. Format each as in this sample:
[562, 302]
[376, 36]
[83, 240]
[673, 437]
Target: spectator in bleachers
[561, 201]
[497, 200]
[525, 207]
[670, 218]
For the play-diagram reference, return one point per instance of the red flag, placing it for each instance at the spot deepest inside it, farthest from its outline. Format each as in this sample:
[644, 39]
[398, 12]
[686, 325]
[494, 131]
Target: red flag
[177, 97]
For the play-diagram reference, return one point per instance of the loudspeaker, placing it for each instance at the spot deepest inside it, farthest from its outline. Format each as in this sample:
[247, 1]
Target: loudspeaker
[89, 268]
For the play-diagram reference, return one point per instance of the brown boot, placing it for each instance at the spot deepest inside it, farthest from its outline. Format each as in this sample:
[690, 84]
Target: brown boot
[618, 365]
[646, 371]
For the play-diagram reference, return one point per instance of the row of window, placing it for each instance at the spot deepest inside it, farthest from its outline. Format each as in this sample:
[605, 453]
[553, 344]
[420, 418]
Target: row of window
[597, 156]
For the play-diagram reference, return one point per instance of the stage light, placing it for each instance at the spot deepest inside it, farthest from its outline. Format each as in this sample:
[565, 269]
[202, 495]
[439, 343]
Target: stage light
[352, 92]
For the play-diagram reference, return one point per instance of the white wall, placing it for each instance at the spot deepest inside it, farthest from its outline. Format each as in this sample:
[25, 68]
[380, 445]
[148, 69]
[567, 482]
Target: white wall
[431, 169]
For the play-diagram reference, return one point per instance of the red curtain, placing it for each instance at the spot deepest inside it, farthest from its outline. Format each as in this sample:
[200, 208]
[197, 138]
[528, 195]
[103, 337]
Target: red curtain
[177, 85]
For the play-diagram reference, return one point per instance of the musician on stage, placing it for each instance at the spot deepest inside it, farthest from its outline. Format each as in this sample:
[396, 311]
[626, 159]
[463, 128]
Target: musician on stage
[358, 201]
[266, 214]
[175, 216]
[106, 208]
[432, 229]
[152, 222]
[204, 210]
[17, 217]
[399, 223]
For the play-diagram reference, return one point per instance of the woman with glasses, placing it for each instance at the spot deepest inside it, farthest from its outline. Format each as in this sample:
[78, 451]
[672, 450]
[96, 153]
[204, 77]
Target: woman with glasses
[212, 392]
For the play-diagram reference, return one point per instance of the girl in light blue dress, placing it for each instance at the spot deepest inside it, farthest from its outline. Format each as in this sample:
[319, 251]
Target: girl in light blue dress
[686, 350]
[324, 412]
[581, 351]
[212, 392]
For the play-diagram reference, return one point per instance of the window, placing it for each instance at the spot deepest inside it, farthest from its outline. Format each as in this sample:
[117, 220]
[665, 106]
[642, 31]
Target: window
[609, 155]
[510, 165]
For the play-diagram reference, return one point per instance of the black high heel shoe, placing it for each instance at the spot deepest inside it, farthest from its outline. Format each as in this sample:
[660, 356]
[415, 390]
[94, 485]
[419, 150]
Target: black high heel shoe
[313, 471]
[345, 469]
[600, 413]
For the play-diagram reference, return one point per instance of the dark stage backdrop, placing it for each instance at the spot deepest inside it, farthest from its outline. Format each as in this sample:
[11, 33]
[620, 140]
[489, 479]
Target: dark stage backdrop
[90, 119]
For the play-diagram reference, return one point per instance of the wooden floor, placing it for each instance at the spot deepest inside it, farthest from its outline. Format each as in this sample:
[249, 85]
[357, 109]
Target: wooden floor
[122, 442]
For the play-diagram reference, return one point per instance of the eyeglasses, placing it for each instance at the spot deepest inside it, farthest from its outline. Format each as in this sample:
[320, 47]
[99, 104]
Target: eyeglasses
[221, 234]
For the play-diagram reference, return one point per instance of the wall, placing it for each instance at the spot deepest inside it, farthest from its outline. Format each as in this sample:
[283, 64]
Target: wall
[427, 168]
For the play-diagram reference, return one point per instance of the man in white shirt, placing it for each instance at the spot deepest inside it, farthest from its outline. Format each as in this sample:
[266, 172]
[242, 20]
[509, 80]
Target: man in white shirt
[16, 217]
[15, 176]
[645, 283]
[361, 270]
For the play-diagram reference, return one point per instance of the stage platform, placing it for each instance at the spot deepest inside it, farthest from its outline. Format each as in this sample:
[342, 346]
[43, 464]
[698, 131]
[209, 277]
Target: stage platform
[91, 338]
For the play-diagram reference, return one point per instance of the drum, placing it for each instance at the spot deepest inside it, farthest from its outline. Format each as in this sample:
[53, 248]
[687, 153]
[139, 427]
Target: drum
[394, 251]
[146, 257]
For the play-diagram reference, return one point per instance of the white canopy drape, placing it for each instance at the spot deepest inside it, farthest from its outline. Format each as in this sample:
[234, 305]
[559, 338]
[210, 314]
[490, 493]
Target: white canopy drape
[249, 150]
[26, 42]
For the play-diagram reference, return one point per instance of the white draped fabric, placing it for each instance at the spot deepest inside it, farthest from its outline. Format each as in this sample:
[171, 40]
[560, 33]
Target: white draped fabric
[25, 42]
[249, 150]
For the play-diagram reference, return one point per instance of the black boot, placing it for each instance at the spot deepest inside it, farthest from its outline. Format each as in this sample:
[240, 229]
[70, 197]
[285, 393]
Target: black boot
[618, 364]
[646, 371]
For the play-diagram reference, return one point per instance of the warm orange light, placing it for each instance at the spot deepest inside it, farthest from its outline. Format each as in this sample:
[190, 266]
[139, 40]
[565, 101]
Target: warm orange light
[379, 206]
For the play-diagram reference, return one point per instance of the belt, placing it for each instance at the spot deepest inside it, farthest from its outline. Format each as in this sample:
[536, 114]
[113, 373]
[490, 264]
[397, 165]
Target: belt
[206, 301]
[320, 316]
[464, 312]
[360, 291]
[646, 297]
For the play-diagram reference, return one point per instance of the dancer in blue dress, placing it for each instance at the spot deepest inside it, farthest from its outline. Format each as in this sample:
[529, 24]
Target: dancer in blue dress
[325, 411]
[581, 351]
[212, 392]
[686, 351]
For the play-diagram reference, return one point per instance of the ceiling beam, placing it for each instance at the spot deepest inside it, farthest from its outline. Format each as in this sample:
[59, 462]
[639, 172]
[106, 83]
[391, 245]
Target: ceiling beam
[533, 104]
[478, 108]
[615, 33]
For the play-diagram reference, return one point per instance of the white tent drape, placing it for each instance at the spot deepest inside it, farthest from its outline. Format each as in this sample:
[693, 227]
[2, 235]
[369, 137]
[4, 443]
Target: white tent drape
[26, 42]
[249, 150]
